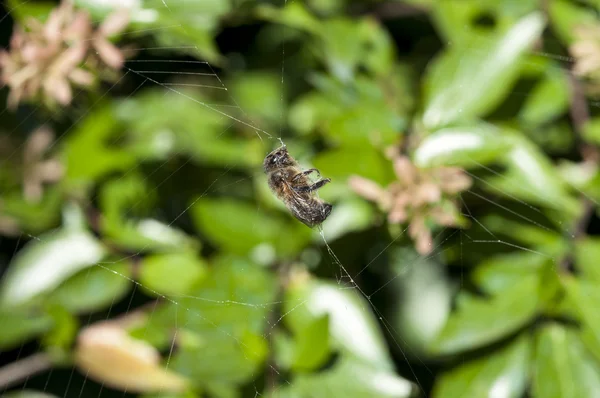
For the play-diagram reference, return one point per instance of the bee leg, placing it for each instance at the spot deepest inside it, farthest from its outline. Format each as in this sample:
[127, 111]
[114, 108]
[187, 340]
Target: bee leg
[313, 187]
[304, 173]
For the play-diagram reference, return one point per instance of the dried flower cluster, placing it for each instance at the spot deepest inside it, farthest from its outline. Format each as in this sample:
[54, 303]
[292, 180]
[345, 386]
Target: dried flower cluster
[586, 51]
[421, 197]
[46, 60]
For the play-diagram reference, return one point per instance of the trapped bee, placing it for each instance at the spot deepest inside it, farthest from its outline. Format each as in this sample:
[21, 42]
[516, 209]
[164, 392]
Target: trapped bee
[293, 187]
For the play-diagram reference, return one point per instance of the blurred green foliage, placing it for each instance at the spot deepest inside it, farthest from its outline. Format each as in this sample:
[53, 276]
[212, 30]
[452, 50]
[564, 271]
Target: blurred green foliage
[163, 223]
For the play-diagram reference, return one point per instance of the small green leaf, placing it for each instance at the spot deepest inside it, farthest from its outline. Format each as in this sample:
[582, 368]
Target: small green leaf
[171, 274]
[549, 98]
[470, 80]
[94, 288]
[88, 156]
[502, 373]
[46, 262]
[312, 345]
[587, 258]
[563, 367]
[467, 146]
[566, 16]
[64, 331]
[21, 325]
[591, 130]
[478, 322]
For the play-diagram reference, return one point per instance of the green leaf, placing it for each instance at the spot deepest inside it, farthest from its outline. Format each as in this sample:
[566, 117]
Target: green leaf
[502, 373]
[21, 10]
[530, 233]
[466, 146]
[470, 81]
[500, 272]
[34, 217]
[458, 20]
[566, 16]
[364, 125]
[260, 96]
[222, 359]
[587, 258]
[241, 227]
[122, 199]
[591, 130]
[479, 322]
[531, 176]
[549, 99]
[293, 14]
[64, 331]
[367, 162]
[352, 326]
[312, 345]
[46, 262]
[584, 296]
[348, 378]
[563, 367]
[21, 325]
[94, 288]
[87, 153]
[171, 274]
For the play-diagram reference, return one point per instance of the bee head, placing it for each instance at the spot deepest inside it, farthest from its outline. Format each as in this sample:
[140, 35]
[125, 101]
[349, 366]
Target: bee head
[277, 159]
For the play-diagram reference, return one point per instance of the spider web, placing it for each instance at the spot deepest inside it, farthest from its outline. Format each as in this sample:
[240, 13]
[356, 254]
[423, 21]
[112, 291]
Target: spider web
[445, 241]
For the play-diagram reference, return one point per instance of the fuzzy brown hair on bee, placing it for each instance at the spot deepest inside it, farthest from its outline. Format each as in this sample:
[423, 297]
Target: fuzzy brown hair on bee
[293, 187]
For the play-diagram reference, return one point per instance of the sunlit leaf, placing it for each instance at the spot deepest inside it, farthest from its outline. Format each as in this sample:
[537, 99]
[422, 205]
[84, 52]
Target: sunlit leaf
[44, 263]
[470, 81]
[501, 374]
[468, 146]
[352, 325]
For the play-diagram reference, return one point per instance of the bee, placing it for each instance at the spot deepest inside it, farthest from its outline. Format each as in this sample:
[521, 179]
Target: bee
[293, 187]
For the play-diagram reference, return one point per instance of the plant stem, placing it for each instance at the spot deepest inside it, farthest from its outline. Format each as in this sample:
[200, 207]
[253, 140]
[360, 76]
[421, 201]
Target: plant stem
[22, 369]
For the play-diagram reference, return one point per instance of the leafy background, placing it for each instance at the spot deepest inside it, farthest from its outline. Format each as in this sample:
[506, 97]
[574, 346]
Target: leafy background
[160, 265]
